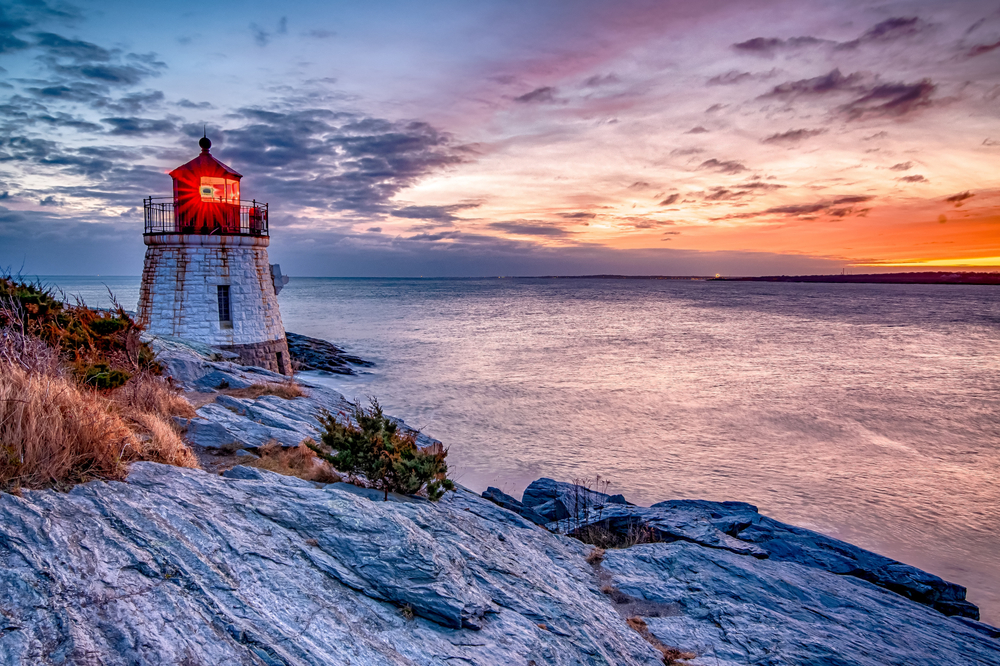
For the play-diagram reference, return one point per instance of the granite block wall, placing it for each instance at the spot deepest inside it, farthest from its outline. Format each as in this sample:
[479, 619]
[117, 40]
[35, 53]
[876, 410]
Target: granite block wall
[179, 296]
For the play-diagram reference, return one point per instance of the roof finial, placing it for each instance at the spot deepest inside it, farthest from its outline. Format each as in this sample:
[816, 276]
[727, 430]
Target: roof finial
[204, 141]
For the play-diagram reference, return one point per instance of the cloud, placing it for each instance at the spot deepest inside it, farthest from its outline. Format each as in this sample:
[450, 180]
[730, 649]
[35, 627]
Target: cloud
[262, 37]
[598, 80]
[443, 214]
[730, 193]
[135, 102]
[980, 49]
[89, 62]
[959, 199]
[320, 34]
[686, 151]
[697, 130]
[580, 215]
[731, 77]
[889, 30]
[916, 178]
[138, 126]
[886, 31]
[768, 45]
[902, 166]
[761, 185]
[872, 100]
[441, 235]
[334, 160]
[731, 167]
[538, 96]
[724, 194]
[374, 230]
[837, 207]
[528, 228]
[188, 104]
[832, 82]
[669, 201]
[648, 223]
[793, 136]
[891, 100]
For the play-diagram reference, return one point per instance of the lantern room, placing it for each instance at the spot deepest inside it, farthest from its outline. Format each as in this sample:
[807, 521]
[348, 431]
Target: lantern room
[206, 200]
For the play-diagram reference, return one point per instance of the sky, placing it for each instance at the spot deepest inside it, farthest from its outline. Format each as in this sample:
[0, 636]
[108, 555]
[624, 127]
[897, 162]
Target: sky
[468, 138]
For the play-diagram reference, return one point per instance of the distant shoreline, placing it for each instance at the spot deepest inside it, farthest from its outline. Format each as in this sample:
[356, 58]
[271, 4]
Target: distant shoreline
[936, 277]
[927, 277]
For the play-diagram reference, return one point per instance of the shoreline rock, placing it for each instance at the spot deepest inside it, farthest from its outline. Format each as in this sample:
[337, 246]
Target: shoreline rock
[315, 354]
[181, 566]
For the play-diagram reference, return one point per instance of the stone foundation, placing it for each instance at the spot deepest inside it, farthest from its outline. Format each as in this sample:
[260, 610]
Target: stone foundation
[181, 281]
[272, 355]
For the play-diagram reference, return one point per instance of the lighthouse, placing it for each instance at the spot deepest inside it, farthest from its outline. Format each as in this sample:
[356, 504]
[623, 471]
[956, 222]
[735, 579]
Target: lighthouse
[206, 276]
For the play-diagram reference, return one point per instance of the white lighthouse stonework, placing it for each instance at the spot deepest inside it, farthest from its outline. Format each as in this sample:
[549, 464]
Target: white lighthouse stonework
[206, 276]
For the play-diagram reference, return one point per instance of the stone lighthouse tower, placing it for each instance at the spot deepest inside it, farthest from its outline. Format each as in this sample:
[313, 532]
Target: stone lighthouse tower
[206, 277]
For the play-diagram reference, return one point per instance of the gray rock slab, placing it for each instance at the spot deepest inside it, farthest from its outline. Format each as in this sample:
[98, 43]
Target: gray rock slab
[574, 498]
[372, 494]
[180, 566]
[736, 609]
[739, 528]
[210, 434]
[795, 544]
[245, 473]
[501, 498]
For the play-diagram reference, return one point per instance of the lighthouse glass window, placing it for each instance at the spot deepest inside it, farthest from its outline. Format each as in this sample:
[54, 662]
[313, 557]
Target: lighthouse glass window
[220, 190]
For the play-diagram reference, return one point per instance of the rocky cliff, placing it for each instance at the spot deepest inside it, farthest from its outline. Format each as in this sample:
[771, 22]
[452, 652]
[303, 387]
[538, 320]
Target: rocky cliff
[178, 566]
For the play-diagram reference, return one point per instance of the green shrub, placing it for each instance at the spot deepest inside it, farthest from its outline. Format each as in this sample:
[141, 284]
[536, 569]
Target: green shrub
[388, 459]
[102, 376]
[85, 337]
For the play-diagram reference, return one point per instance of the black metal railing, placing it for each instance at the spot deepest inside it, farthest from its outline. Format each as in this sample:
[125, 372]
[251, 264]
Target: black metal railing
[247, 219]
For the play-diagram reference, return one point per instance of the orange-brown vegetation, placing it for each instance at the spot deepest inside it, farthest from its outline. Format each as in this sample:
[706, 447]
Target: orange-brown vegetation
[286, 390]
[298, 461]
[79, 394]
[52, 433]
[101, 347]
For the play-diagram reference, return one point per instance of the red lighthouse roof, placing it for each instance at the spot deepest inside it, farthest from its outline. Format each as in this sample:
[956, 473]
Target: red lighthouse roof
[205, 165]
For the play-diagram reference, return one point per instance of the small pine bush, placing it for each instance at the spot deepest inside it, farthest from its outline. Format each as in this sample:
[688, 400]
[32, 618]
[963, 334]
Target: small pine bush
[388, 459]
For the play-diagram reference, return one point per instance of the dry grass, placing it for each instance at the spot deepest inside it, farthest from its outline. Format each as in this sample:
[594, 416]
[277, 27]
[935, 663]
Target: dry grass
[286, 390]
[298, 461]
[158, 441]
[146, 402]
[54, 434]
[600, 536]
[595, 556]
[148, 393]
[671, 655]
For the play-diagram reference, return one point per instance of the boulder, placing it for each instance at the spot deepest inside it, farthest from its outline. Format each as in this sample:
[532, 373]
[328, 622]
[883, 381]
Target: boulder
[315, 354]
[575, 499]
[501, 498]
[739, 528]
[731, 610]
[177, 566]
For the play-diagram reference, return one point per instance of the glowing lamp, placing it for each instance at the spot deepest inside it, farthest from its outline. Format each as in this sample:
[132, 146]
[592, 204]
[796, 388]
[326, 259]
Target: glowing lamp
[206, 195]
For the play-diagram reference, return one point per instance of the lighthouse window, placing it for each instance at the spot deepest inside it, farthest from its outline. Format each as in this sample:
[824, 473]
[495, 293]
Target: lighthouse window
[224, 313]
[221, 190]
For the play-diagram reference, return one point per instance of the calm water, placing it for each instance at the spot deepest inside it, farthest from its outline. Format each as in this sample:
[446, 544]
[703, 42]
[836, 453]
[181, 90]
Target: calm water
[868, 412]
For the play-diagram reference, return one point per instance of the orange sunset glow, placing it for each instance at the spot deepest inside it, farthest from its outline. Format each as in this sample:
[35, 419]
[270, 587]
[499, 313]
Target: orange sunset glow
[644, 137]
